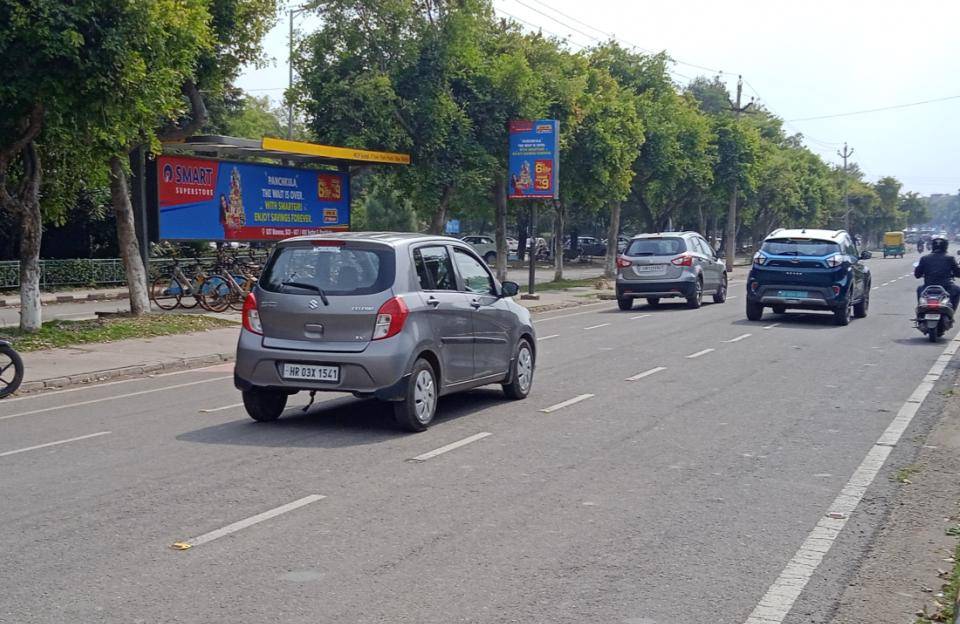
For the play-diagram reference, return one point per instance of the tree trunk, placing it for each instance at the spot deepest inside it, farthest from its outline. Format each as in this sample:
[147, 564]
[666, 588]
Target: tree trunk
[730, 235]
[31, 231]
[127, 239]
[439, 222]
[500, 223]
[558, 219]
[610, 263]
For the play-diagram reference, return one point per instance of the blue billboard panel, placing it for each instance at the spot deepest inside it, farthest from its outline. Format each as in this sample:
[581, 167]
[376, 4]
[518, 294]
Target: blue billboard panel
[204, 199]
[534, 159]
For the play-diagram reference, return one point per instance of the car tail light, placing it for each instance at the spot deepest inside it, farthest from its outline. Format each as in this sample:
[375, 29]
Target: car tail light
[836, 291]
[835, 260]
[684, 259]
[759, 258]
[390, 318]
[623, 263]
[754, 286]
[251, 315]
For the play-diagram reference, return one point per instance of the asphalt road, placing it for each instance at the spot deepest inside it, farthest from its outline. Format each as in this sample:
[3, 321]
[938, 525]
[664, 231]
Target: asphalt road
[680, 496]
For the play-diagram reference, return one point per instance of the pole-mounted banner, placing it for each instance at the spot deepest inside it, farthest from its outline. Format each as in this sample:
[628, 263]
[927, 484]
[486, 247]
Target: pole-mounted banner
[534, 159]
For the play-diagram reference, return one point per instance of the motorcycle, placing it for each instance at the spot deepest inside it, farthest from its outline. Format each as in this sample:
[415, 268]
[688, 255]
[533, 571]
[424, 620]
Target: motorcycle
[934, 316]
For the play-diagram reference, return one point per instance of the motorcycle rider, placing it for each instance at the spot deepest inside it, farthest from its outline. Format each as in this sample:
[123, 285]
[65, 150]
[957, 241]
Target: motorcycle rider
[938, 268]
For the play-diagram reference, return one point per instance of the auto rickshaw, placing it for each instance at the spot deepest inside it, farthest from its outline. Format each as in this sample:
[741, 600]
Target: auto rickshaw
[893, 244]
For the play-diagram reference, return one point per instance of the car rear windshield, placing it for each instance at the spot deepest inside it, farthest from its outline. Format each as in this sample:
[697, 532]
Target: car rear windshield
[799, 247]
[334, 269]
[655, 247]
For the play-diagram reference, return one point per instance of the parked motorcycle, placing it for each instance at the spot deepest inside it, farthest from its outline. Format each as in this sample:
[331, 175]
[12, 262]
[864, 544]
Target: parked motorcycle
[934, 315]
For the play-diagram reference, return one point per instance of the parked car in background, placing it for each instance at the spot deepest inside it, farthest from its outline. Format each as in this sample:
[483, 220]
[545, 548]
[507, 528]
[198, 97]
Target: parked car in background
[512, 245]
[590, 246]
[486, 247]
[405, 318]
[670, 264]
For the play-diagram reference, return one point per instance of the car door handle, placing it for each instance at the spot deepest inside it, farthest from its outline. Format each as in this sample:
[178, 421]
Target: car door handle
[475, 303]
[433, 301]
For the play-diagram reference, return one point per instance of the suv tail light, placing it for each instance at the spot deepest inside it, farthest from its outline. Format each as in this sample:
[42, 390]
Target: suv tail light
[390, 318]
[623, 263]
[251, 315]
[759, 258]
[684, 259]
[834, 261]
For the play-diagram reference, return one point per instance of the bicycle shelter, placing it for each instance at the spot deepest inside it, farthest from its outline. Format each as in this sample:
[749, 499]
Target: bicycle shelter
[213, 187]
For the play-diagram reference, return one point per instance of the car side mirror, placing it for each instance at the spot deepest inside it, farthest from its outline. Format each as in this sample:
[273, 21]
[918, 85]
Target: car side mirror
[509, 289]
[865, 255]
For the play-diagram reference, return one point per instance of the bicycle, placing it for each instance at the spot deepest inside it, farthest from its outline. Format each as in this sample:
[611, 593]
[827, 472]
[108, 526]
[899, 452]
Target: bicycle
[168, 291]
[11, 369]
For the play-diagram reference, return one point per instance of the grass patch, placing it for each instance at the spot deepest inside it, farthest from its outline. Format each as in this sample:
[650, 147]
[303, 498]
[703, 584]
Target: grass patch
[108, 329]
[947, 603]
[903, 474]
[567, 283]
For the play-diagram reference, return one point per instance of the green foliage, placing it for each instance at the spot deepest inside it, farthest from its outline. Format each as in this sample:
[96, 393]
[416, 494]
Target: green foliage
[253, 119]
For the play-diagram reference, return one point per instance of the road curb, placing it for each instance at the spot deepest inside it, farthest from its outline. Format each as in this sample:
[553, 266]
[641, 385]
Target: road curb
[14, 302]
[91, 378]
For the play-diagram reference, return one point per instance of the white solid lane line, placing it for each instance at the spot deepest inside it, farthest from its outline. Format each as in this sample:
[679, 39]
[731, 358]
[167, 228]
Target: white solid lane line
[776, 604]
[567, 403]
[210, 410]
[771, 325]
[541, 338]
[449, 447]
[652, 371]
[699, 353]
[40, 446]
[242, 524]
[738, 338]
[597, 326]
[112, 398]
[94, 386]
[640, 316]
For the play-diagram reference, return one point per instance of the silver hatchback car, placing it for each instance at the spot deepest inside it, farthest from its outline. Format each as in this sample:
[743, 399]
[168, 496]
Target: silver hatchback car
[404, 318]
[670, 264]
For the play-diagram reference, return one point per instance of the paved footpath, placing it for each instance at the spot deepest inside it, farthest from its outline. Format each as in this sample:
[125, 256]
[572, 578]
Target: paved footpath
[670, 465]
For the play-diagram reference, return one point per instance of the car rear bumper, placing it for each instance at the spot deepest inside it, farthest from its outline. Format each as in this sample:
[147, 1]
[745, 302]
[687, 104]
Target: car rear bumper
[379, 370]
[670, 288]
[816, 298]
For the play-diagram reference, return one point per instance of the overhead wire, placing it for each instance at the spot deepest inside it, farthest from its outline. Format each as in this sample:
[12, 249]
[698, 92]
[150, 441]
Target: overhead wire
[880, 109]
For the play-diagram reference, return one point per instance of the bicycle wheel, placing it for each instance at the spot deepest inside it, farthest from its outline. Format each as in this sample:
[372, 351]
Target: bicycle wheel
[11, 371]
[165, 292]
[216, 294]
[189, 299]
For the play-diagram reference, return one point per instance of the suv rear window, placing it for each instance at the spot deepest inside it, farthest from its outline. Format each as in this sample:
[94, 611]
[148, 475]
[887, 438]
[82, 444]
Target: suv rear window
[655, 247]
[336, 269]
[799, 247]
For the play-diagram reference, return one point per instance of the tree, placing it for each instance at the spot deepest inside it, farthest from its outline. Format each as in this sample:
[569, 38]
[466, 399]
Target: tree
[914, 208]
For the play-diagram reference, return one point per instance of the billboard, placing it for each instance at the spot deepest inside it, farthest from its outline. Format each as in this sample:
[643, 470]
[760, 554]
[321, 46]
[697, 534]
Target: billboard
[206, 199]
[534, 159]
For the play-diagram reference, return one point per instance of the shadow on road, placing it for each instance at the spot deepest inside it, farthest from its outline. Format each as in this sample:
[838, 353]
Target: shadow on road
[798, 320]
[337, 423]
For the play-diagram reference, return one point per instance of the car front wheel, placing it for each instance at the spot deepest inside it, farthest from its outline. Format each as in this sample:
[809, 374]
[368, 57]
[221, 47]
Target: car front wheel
[521, 379]
[416, 411]
[264, 405]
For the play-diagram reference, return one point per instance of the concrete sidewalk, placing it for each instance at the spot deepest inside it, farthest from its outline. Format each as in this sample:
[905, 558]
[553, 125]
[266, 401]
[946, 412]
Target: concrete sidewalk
[12, 298]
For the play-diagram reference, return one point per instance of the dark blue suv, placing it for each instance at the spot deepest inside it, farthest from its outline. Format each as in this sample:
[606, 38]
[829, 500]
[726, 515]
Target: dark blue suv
[809, 270]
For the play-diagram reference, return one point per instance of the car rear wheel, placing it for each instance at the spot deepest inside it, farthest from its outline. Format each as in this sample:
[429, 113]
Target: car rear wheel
[653, 301]
[625, 303]
[721, 295]
[264, 405]
[694, 300]
[416, 411]
[860, 309]
[754, 311]
[842, 315]
[521, 379]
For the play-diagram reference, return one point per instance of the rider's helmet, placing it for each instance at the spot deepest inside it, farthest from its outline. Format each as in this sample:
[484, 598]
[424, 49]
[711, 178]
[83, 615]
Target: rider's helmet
[939, 244]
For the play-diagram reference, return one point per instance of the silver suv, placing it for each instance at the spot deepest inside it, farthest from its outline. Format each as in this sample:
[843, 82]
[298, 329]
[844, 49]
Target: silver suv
[404, 318]
[669, 264]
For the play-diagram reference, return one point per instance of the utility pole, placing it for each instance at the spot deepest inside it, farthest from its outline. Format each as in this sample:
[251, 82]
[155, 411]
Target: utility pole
[845, 154]
[731, 234]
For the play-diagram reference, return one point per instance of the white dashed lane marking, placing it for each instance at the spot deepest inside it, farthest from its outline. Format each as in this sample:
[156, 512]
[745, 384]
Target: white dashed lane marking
[597, 326]
[771, 326]
[652, 371]
[542, 338]
[567, 403]
[449, 447]
[738, 338]
[640, 316]
[700, 353]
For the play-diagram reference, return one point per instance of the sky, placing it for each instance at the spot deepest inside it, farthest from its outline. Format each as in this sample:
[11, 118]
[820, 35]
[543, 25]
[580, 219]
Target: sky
[799, 59]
